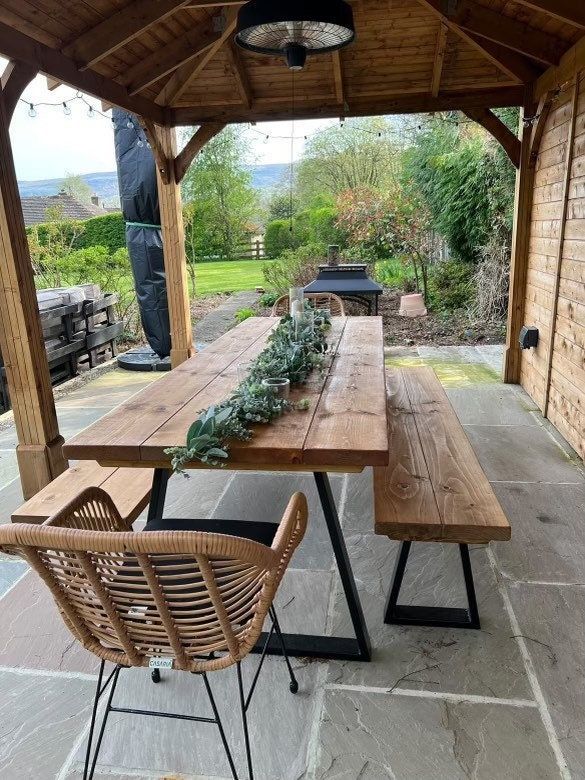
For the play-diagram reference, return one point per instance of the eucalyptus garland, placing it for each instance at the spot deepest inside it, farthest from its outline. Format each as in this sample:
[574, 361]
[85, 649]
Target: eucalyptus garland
[294, 351]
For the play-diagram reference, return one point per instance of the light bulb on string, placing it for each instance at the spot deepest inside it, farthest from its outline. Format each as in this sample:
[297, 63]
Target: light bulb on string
[114, 124]
[32, 112]
[66, 109]
[130, 125]
[90, 112]
[140, 143]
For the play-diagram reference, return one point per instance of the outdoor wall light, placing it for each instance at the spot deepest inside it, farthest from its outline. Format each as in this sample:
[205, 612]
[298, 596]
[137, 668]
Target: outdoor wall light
[529, 336]
[295, 28]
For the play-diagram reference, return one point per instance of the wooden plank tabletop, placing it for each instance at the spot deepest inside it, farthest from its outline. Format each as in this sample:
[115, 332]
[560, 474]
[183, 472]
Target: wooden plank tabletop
[345, 427]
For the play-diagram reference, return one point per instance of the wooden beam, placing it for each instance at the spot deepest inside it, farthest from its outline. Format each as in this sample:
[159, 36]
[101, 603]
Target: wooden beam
[513, 65]
[196, 143]
[324, 106]
[118, 29]
[16, 76]
[506, 31]
[542, 114]
[570, 151]
[500, 131]
[565, 10]
[440, 51]
[572, 62]
[39, 450]
[16, 46]
[238, 68]
[186, 75]
[164, 61]
[171, 214]
[163, 164]
[520, 243]
[338, 76]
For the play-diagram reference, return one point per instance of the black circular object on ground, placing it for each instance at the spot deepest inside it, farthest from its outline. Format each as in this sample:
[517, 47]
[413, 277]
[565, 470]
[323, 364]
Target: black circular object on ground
[143, 359]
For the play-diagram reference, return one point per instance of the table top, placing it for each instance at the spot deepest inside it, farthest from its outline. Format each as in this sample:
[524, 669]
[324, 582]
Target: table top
[344, 429]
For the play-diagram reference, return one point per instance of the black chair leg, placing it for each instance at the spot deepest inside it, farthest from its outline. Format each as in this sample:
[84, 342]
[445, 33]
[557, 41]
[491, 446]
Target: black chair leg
[114, 679]
[220, 726]
[294, 685]
[243, 710]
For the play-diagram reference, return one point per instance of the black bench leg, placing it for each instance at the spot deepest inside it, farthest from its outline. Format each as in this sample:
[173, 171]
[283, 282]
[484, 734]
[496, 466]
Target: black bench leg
[437, 617]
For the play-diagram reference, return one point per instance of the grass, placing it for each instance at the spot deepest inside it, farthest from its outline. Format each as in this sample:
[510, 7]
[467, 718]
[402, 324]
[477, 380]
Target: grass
[230, 276]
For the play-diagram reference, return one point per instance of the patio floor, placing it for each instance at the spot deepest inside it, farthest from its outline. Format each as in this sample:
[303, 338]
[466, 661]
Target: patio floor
[504, 702]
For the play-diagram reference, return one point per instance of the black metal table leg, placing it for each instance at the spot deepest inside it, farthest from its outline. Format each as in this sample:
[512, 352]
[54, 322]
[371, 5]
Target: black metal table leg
[160, 481]
[436, 617]
[330, 647]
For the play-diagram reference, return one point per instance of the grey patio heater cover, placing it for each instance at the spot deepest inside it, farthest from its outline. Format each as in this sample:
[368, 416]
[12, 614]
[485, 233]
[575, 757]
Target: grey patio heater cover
[140, 208]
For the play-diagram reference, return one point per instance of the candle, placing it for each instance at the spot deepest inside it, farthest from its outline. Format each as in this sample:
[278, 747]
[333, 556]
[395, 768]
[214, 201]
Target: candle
[296, 309]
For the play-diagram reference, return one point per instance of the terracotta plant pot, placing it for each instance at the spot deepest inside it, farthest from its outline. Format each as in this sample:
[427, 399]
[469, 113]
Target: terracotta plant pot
[412, 306]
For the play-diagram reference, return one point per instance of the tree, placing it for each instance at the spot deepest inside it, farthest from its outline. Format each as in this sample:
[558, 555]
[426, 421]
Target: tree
[389, 224]
[224, 204]
[359, 153]
[77, 187]
[467, 182]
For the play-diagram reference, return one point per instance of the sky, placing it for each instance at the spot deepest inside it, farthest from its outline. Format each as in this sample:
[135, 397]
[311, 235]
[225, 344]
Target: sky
[52, 144]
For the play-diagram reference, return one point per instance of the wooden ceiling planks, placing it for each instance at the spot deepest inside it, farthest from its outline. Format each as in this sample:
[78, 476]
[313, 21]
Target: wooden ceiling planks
[410, 54]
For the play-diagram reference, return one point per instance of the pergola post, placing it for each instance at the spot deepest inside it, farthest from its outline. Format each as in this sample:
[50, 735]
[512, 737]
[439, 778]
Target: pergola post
[175, 259]
[520, 241]
[39, 453]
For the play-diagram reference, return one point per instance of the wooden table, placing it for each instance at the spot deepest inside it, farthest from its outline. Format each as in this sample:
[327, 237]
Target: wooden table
[344, 431]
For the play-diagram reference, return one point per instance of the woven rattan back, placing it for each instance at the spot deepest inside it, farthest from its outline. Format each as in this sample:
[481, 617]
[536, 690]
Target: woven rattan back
[328, 301]
[199, 599]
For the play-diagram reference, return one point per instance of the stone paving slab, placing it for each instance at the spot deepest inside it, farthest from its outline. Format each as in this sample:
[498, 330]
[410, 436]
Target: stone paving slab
[492, 404]
[556, 646]
[548, 538]
[10, 572]
[40, 720]
[521, 453]
[482, 663]
[380, 737]
[278, 723]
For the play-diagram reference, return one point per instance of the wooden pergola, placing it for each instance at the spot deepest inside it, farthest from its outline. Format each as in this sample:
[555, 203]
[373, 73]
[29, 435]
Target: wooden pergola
[174, 62]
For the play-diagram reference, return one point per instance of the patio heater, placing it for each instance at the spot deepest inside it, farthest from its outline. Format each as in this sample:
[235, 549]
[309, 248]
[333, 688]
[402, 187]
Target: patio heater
[140, 208]
[295, 28]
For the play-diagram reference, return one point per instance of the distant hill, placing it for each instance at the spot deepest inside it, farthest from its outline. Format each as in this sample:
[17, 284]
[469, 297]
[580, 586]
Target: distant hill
[264, 179]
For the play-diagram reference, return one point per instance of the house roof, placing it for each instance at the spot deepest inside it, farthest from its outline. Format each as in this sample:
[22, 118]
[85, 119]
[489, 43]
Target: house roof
[175, 62]
[35, 207]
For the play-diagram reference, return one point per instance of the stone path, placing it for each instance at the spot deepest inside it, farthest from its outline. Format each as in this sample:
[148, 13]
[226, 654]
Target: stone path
[220, 320]
[503, 703]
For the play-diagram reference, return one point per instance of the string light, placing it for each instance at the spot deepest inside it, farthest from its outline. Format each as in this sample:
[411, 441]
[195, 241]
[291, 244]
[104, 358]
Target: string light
[92, 112]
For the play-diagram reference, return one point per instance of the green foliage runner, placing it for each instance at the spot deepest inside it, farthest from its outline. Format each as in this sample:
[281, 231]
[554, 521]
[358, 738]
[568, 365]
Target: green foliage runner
[292, 353]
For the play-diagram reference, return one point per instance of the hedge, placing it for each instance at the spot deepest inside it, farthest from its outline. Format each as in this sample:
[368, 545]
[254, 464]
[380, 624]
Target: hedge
[108, 231]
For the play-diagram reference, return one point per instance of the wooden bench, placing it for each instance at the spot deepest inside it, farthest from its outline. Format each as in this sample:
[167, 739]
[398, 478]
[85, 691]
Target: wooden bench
[433, 490]
[129, 489]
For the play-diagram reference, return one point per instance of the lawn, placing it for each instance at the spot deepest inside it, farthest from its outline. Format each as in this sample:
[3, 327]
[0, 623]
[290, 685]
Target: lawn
[231, 276]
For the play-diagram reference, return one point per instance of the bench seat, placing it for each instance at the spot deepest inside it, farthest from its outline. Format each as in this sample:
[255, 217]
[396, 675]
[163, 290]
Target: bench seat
[129, 489]
[433, 490]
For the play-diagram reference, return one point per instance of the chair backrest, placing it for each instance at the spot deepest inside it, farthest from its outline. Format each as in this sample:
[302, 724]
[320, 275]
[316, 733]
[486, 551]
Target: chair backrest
[318, 301]
[199, 599]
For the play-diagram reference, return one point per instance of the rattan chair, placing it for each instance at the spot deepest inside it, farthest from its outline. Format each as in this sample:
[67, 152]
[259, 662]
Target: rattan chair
[192, 601]
[318, 301]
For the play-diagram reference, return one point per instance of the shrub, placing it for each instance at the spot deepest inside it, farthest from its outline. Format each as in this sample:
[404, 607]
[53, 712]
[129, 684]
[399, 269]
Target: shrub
[491, 282]
[451, 285]
[278, 237]
[268, 299]
[108, 231]
[295, 268]
[244, 314]
[396, 273]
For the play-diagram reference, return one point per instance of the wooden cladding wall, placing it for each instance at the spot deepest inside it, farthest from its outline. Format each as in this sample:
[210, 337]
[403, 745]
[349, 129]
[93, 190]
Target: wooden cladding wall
[554, 373]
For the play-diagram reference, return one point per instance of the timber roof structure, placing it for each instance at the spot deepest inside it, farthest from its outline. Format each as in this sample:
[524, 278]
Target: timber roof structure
[174, 61]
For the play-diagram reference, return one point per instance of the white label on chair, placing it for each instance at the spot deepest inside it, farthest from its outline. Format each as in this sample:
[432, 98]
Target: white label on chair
[161, 663]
